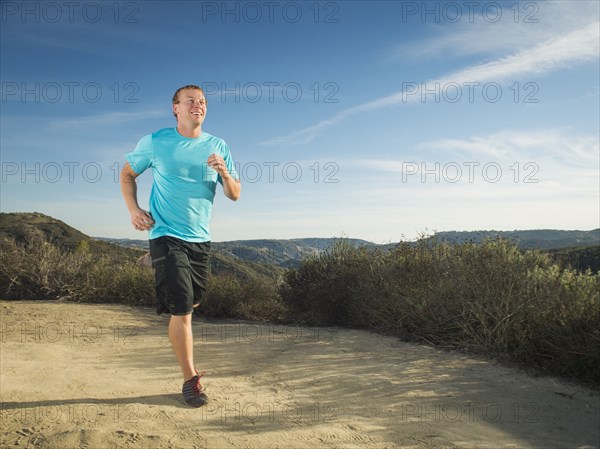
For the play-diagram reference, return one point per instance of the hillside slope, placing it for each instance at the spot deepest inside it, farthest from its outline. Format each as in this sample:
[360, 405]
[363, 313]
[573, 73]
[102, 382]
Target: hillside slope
[529, 239]
[34, 227]
[269, 257]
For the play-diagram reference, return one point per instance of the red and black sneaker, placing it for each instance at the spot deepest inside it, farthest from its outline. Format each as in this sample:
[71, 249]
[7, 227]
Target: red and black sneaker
[193, 393]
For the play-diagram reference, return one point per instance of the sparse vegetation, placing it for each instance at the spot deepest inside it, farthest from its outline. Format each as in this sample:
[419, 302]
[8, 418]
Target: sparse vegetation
[253, 299]
[39, 269]
[490, 297]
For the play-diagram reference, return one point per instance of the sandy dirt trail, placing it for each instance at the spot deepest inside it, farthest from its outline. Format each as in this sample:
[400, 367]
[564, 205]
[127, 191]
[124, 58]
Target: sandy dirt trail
[104, 376]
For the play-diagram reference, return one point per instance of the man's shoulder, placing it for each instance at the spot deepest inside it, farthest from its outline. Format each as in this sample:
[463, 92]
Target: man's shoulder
[209, 136]
[214, 140]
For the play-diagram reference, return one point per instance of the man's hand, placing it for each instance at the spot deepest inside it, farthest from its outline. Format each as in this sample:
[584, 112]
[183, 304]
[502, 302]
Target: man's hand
[141, 220]
[231, 186]
[218, 163]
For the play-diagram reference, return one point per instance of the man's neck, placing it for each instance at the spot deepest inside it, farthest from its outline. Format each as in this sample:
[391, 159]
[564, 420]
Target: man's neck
[189, 132]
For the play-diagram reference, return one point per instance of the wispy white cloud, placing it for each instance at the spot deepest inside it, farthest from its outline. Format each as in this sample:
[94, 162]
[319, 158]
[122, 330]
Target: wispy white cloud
[558, 52]
[555, 53]
[512, 145]
[518, 26]
[542, 164]
[507, 145]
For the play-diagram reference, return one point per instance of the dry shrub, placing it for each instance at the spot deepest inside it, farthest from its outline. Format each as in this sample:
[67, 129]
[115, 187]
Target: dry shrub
[40, 270]
[252, 299]
[489, 296]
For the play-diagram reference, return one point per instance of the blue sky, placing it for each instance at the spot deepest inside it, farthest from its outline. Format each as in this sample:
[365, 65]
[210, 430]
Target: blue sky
[372, 120]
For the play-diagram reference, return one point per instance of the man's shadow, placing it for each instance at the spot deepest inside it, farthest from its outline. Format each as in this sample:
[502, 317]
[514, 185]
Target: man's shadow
[171, 399]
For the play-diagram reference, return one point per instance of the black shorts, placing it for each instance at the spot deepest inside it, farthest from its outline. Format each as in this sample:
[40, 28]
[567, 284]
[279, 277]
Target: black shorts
[181, 273]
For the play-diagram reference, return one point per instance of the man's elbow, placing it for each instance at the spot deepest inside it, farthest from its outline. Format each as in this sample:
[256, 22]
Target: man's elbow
[127, 175]
[234, 194]
[126, 179]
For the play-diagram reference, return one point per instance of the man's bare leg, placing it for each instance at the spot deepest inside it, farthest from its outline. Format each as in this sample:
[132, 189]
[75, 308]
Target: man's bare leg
[180, 334]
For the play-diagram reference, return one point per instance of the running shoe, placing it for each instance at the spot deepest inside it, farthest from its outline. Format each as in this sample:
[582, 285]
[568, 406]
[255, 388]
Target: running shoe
[193, 393]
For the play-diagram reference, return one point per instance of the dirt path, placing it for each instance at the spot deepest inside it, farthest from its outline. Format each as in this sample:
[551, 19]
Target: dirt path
[104, 376]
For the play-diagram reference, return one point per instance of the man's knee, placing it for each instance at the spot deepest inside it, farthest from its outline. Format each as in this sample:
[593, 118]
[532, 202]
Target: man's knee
[184, 319]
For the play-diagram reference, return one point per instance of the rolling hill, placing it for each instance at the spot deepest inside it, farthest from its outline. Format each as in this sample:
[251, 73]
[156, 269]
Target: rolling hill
[281, 253]
[531, 239]
[26, 227]
[269, 257]
[34, 227]
[580, 249]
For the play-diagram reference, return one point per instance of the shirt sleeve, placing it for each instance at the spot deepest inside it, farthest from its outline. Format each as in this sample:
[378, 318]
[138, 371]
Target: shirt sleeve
[141, 158]
[226, 155]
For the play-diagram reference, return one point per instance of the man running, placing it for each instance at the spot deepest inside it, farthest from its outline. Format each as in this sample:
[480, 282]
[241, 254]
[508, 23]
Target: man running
[187, 164]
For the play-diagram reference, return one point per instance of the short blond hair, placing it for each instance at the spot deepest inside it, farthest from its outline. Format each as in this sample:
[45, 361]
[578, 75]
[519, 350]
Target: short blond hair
[189, 86]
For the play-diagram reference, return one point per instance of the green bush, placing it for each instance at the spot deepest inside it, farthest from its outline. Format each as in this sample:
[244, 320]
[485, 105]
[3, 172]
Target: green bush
[490, 297]
[254, 299]
[40, 270]
[323, 291]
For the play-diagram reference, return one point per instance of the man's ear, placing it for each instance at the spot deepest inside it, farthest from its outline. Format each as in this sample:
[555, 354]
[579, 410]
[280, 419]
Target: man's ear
[175, 109]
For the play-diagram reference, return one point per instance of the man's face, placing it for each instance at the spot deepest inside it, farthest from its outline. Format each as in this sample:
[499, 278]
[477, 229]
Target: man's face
[191, 108]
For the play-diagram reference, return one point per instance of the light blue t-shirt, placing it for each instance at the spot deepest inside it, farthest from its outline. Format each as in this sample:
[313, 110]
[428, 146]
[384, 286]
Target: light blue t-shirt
[184, 185]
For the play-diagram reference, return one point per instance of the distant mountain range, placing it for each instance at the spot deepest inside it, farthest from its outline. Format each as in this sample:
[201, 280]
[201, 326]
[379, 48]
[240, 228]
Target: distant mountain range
[288, 253]
[534, 239]
[269, 256]
[282, 253]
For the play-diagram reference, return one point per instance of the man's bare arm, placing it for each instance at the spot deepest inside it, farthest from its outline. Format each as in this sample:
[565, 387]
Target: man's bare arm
[140, 219]
[231, 186]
